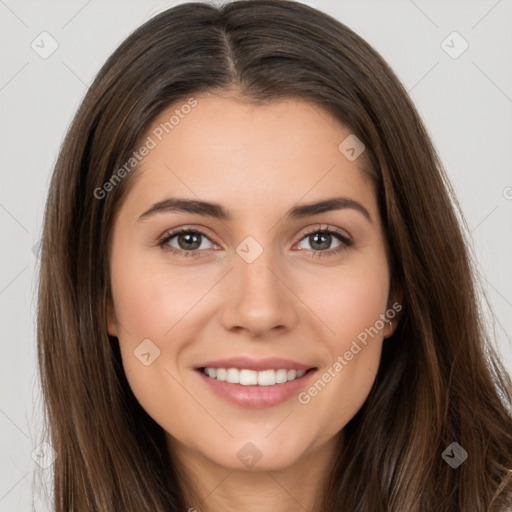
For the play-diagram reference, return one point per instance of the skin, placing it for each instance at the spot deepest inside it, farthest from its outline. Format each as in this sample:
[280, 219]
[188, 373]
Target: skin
[257, 161]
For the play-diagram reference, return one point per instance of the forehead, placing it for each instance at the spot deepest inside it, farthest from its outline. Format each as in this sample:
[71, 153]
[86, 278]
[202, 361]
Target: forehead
[245, 153]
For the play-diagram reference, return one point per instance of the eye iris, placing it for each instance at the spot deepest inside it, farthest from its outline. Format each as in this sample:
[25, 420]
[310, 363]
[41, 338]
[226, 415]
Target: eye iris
[189, 238]
[313, 239]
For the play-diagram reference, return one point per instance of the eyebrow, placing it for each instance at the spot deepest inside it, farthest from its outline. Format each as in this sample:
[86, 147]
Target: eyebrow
[216, 211]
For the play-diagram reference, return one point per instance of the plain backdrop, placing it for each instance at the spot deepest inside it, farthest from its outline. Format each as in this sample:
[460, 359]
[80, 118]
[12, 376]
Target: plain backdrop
[464, 98]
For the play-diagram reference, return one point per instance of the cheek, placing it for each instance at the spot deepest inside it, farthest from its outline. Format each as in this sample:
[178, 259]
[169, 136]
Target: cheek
[358, 306]
[351, 305]
[347, 300]
[149, 298]
[149, 306]
[156, 308]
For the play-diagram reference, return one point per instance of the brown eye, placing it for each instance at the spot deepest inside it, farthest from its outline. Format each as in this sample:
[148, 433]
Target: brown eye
[320, 241]
[187, 242]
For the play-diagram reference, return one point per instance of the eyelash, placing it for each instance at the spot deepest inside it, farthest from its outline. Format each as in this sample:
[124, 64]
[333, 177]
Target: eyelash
[345, 241]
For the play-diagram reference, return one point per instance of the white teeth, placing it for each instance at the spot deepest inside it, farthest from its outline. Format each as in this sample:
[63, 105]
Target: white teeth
[252, 378]
[281, 376]
[267, 378]
[233, 376]
[248, 377]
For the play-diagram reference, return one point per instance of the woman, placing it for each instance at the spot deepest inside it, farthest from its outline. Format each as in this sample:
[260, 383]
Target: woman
[320, 346]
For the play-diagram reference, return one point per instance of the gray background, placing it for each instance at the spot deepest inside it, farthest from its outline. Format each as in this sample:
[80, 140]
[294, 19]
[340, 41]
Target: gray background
[466, 103]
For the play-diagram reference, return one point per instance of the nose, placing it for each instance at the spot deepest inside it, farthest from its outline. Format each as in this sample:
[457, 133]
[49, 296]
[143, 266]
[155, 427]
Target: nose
[258, 298]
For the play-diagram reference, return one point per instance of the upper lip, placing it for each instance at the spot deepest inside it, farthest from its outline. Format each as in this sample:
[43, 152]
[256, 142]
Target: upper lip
[248, 363]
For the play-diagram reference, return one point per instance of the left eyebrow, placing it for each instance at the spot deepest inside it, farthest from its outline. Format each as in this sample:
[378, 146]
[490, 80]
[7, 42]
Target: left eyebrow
[215, 210]
[334, 203]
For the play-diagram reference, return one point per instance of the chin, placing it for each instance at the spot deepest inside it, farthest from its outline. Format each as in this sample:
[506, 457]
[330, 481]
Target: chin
[258, 454]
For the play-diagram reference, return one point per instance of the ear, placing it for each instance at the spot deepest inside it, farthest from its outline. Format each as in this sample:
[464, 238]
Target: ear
[111, 318]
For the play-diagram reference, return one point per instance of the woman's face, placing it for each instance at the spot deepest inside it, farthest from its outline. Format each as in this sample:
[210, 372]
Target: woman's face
[254, 283]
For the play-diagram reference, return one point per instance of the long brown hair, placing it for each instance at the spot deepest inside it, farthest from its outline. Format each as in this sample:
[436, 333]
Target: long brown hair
[439, 381]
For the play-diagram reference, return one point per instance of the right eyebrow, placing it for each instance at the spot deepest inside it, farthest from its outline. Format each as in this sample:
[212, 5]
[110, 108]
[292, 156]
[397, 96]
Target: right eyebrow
[175, 204]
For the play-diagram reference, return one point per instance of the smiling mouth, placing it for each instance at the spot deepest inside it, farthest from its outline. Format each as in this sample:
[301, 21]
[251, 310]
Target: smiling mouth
[247, 377]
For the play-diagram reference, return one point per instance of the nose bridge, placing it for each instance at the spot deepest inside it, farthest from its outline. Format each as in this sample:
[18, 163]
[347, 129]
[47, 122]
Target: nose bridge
[257, 274]
[255, 259]
[258, 300]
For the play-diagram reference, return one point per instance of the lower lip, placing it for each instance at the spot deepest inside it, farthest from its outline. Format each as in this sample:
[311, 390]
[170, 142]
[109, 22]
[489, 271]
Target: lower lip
[257, 397]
